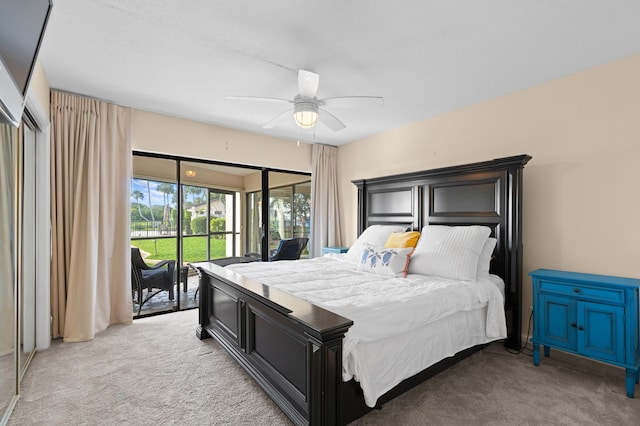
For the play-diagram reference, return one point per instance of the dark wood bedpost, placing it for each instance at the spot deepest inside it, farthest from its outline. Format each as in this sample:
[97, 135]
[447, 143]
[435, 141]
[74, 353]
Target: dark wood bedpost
[203, 313]
[361, 204]
[324, 394]
[513, 304]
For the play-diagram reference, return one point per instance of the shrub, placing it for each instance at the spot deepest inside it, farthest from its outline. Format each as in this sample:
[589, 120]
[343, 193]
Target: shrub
[199, 225]
[218, 224]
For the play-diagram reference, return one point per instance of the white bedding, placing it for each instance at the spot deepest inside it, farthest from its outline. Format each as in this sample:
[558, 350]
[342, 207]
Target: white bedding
[382, 308]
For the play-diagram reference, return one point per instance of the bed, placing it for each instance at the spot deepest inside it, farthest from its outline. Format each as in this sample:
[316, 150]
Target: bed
[296, 348]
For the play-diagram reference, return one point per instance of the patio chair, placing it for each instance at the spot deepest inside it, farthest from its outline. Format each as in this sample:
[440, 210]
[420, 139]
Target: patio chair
[290, 249]
[158, 277]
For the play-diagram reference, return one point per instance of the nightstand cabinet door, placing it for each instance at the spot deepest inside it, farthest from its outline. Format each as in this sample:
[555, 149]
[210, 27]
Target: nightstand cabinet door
[601, 331]
[556, 321]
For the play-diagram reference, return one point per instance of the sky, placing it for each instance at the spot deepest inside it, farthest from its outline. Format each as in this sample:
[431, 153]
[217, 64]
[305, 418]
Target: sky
[157, 197]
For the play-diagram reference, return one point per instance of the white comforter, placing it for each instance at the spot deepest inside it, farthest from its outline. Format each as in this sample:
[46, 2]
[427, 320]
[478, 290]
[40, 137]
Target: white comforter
[379, 306]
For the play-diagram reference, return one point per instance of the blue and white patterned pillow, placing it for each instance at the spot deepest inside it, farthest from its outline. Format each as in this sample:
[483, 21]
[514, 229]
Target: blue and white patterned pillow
[392, 262]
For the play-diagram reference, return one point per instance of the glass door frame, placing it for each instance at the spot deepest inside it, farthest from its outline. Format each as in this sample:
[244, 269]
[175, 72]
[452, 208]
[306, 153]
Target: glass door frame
[179, 217]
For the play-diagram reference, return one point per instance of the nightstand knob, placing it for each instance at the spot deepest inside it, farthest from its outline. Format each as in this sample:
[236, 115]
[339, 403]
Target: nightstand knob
[581, 328]
[573, 324]
[576, 290]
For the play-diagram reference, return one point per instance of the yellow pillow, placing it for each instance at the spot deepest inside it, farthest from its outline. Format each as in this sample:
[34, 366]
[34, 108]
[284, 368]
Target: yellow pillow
[402, 239]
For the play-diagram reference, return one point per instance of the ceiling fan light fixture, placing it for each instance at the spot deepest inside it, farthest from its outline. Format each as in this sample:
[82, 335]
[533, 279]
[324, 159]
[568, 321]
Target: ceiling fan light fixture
[305, 114]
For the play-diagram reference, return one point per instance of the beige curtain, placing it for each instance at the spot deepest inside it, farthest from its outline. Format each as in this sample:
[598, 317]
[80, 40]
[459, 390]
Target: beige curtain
[325, 217]
[90, 178]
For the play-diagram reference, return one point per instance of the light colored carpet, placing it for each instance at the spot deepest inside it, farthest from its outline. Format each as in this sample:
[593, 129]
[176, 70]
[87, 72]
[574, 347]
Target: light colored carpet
[156, 372]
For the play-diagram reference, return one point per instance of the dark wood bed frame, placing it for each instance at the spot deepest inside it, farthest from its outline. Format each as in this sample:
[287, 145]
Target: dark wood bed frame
[293, 349]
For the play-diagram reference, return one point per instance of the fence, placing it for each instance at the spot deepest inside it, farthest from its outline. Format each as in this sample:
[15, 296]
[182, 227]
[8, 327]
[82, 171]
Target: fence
[149, 229]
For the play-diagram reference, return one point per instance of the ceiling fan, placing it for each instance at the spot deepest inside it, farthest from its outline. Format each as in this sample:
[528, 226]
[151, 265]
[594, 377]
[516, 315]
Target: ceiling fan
[308, 109]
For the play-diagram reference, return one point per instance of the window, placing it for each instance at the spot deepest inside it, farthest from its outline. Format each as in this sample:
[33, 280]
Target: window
[289, 215]
[190, 210]
[211, 228]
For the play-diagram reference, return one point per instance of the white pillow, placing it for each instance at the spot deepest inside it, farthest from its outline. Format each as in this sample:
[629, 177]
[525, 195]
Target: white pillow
[484, 261]
[392, 262]
[376, 235]
[449, 251]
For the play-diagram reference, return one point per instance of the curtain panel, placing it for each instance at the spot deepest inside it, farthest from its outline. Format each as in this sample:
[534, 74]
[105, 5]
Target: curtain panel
[90, 186]
[325, 218]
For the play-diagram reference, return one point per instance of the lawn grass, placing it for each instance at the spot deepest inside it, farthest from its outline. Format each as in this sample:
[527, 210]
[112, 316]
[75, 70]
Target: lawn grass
[194, 249]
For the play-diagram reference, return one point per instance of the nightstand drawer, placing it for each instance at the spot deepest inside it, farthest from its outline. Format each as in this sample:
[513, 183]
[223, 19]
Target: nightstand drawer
[583, 291]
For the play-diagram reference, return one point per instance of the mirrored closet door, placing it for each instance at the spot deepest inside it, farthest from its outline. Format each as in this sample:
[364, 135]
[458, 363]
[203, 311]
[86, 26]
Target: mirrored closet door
[8, 258]
[27, 265]
[18, 248]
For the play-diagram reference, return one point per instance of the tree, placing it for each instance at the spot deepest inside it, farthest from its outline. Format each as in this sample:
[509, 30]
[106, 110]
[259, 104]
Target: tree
[153, 219]
[166, 189]
[138, 195]
[195, 192]
[302, 209]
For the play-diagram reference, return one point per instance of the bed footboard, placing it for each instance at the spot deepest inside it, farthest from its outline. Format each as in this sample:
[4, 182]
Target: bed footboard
[293, 349]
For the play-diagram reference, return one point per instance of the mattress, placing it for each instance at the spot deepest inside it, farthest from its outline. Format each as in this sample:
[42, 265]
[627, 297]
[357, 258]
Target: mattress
[401, 325]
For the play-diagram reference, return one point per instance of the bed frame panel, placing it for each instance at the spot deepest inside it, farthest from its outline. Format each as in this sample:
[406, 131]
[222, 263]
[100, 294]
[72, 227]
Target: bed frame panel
[293, 349]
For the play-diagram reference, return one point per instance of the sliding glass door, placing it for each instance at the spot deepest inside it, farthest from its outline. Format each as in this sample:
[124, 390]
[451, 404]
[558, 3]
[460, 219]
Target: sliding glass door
[154, 224]
[289, 212]
[185, 212]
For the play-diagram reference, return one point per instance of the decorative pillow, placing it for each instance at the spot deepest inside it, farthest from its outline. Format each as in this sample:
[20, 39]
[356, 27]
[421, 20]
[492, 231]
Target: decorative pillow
[391, 262]
[484, 260]
[376, 235]
[449, 251]
[402, 239]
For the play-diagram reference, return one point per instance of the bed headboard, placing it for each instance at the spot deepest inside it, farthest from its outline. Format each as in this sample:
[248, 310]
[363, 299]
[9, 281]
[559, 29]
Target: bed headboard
[487, 193]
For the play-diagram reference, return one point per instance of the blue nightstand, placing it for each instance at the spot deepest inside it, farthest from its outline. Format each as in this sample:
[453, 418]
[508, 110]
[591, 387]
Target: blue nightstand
[336, 249]
[595, 316]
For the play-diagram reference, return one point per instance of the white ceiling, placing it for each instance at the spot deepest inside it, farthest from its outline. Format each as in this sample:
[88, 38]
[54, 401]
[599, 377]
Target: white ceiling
[425, 57]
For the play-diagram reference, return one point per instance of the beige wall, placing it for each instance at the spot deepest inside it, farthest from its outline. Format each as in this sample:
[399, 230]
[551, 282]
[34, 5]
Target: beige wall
[40, 86]
[253, 182]
[165, 134]
[582, 195]
[582, 187]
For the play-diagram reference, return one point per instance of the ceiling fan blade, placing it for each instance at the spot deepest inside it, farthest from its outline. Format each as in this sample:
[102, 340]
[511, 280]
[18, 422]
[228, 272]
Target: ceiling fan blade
[279, 119]
[256, 98]
[353, 101]
[330, 120]
[308, 83]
